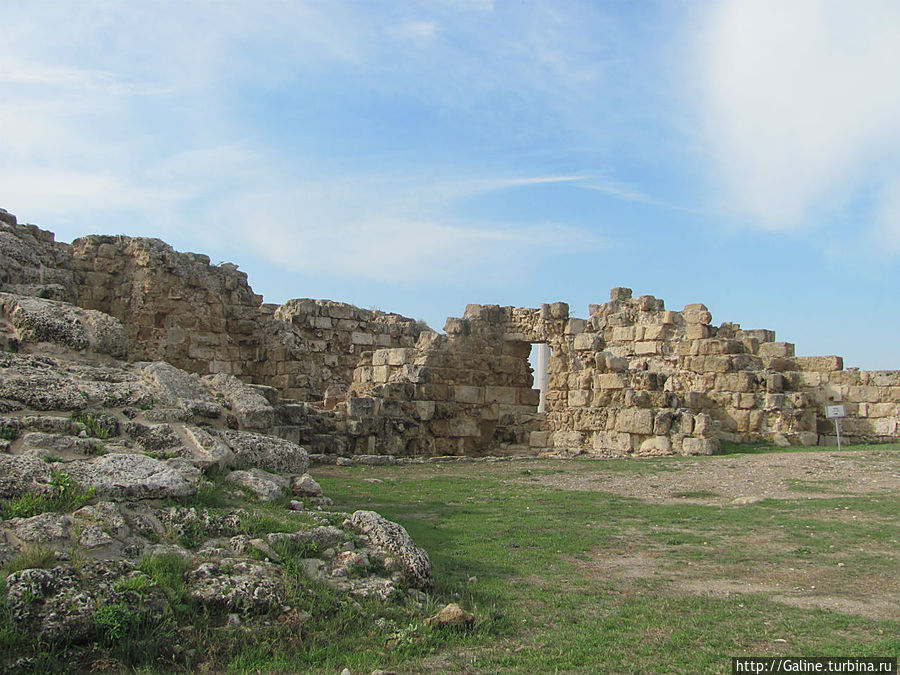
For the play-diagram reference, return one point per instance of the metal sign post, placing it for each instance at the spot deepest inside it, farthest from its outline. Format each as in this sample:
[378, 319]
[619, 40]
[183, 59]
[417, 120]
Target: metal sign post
[836, 413]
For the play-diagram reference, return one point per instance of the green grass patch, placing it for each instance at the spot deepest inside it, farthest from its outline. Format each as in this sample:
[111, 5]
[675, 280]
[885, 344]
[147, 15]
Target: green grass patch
[63, 495]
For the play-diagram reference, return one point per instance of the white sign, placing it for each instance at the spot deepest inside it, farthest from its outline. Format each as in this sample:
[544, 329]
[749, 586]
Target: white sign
[835, 411]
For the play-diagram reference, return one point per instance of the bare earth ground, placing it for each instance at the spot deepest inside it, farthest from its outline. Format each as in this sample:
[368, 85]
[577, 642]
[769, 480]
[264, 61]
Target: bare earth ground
[735, 481]
[738, 479]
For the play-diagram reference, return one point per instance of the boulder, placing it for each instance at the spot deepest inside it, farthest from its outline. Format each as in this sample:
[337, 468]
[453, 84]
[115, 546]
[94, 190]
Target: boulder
[39, 320]
[119, 477]
[265, 452]
[180, 389]
[246, 402]
[393, 538]
[267, 486]
[244, 587]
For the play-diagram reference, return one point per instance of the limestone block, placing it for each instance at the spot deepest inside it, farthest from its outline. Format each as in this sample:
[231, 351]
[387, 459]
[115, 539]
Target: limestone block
[646, 348]
[609, 381]
[380, 357]
[506, 395]
[810, 379]
[696, 314]
[633, 421]
[359, 338]
[783, 349]
[761, 335]
[620, 293]
[868, 394]
[774, 383]
[610, 440]
[808, 438]
[739, 382]
[699, 446]
[885, 427]
[697, 331]
[656, 445]
[539, 439]
[531, 397]
[381, 373]
[400, 356]
[821, 364]
[622, 334]
[467, 394]
[463, 427]
[322, 322]
[884, 410]
[559, 310]
[656, 332]
[579, 398]
[780, 364]
[662, 422]
[773, 402]
[588, 342]
[702, 424]
[885, 378]
[744, 401]
[575, 326]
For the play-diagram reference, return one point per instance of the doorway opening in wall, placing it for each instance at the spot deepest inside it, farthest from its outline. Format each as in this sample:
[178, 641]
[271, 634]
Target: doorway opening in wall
[539, 359]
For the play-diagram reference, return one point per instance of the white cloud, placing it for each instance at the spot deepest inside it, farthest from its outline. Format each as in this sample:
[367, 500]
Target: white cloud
[801, 102]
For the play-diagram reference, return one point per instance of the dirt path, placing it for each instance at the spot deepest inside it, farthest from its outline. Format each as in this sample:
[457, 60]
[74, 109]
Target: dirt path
[745, 478]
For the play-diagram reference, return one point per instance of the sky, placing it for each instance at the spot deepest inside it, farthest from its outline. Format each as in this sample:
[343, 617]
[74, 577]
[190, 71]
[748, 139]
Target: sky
[415, 156]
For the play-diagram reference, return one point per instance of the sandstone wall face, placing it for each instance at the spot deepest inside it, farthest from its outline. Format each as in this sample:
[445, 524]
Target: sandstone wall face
[311, 347]
[630, 379]
[175, 306]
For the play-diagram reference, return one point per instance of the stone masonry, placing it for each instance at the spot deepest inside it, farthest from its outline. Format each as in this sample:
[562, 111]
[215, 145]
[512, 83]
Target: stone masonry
[630, 379]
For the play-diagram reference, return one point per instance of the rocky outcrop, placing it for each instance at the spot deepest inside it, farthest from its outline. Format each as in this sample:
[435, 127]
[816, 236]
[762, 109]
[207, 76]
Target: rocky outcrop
[411, 559]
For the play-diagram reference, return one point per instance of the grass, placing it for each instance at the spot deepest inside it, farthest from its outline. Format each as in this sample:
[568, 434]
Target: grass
[564, 581]
[551, 601]
[63, 496]
[97, 425]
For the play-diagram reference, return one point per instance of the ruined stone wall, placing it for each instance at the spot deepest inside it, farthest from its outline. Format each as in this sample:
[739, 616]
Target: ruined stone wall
[632, 378]
[175, 307]
[312, 347]
[468, 392]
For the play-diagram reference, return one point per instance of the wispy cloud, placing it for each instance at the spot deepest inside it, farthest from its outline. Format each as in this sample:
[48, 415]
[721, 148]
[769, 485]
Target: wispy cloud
[801, 103]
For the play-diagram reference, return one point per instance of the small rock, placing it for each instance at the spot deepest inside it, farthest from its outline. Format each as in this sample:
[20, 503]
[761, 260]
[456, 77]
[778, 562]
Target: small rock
[451, 616]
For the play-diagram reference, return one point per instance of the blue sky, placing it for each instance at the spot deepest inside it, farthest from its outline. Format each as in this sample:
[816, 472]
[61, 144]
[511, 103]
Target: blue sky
[418, 156]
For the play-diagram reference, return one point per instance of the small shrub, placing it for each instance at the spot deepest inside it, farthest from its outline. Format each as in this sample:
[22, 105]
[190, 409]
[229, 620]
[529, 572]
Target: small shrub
[97, 425]
[114, 622]
[8, 432]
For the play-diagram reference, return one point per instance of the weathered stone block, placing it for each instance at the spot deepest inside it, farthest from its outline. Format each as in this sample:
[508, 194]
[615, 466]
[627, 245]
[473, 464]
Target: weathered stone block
[697, 331]
[620, 293]
[539, 439]
[622, 334]
[588, 342]
[783, 349]
[647, 348]
[530, 397]
[579, 398]
[359, 338]
[505, 395]
[609, 381]
[699, 446]
[381, 373]
[466, 394]
[656, 445]
[632, 421]
[821, 364]
[575, 326]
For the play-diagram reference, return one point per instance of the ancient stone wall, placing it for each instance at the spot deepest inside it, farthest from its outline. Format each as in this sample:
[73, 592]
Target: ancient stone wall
[175, 306]
[632, 378]
[311, 347]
